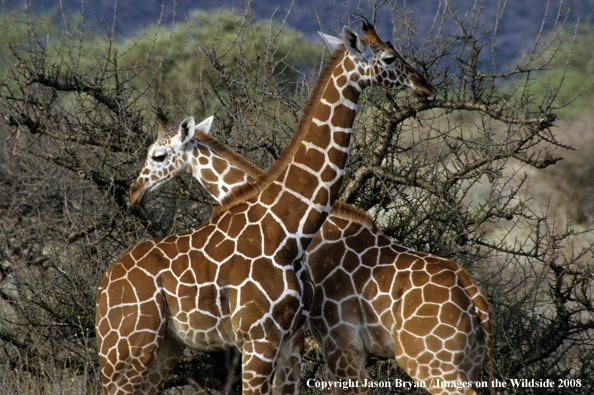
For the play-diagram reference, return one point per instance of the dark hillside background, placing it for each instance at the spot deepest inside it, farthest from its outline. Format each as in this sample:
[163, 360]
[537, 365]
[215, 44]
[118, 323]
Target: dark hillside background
[520, 23]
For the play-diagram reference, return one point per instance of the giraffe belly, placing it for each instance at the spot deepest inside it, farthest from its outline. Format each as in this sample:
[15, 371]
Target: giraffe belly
[206, 337]
[378, 341]
[375, 331]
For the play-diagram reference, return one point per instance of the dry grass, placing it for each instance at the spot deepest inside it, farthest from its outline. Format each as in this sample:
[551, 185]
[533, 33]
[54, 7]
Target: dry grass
[55, 381]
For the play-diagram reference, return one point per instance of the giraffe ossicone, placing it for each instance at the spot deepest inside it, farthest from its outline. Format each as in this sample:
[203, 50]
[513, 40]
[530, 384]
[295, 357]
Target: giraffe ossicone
[233, 281]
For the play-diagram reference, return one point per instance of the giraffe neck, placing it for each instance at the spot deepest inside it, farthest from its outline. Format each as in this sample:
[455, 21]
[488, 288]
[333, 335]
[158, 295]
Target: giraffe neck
[219, 169]
[309, 172]
[318, 166]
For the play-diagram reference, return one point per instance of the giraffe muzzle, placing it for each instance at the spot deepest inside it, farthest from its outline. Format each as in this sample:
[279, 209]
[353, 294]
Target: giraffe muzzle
[137, 193]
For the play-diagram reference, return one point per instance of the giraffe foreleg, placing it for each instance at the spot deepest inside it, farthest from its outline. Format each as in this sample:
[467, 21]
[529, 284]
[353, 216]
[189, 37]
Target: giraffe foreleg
[257, 368]
[288, 370]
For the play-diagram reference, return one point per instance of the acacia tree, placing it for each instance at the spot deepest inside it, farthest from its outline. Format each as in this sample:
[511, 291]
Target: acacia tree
[449, 175]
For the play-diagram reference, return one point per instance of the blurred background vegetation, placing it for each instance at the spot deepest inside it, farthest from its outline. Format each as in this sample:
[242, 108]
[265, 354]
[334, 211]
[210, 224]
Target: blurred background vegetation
[493, 172]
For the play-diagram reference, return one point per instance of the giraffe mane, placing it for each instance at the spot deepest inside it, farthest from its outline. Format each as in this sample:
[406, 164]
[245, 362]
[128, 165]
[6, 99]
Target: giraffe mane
[227, 153]
[353, 214]
[245, 192]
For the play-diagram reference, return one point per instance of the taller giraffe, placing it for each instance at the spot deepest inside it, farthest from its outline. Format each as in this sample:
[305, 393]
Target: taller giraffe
[372, 296]
[231, 281]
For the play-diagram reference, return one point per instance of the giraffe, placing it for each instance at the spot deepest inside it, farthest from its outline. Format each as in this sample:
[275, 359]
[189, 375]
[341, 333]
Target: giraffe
[233, 281]
[375, 297]
[371, 296]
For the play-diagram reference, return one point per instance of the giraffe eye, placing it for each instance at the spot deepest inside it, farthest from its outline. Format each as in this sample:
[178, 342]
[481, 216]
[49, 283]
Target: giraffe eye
[389, 59]
[159, 157]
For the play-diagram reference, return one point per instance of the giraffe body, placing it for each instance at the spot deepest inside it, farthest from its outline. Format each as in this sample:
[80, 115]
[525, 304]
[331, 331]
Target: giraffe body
[374, 297]
[233, 280]
[348, 239]
[195, 300]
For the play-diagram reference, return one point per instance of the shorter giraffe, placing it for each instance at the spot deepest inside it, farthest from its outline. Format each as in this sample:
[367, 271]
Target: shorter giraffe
[373, 297]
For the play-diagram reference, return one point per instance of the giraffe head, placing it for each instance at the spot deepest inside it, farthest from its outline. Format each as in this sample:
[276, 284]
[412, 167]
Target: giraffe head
[376, 62]
[167, 157]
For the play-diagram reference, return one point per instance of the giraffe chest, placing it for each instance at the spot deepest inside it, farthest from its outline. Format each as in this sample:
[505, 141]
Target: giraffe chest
[221, 279]
[354, 300]
[214, 305]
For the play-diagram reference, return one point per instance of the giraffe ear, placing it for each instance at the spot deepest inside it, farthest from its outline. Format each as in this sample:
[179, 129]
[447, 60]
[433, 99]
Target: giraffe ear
[352, 42]
[205, 125]
[331, 42]
[186, 129]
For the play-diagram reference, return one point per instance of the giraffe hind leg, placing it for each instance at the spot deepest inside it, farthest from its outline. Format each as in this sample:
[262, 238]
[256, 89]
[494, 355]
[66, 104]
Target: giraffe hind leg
[143, 370]
[441, 372]
[166, 357]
